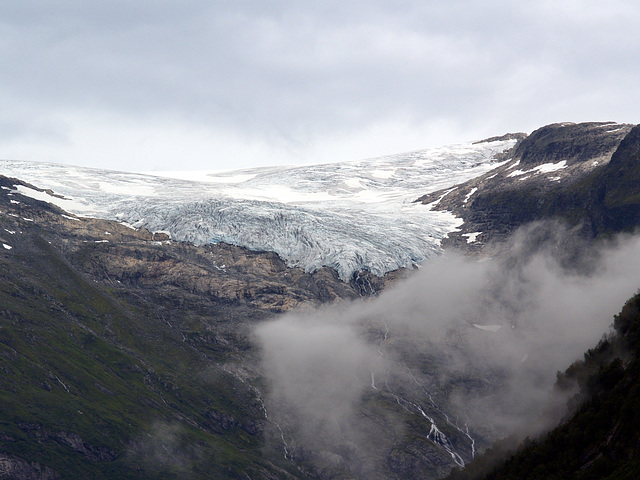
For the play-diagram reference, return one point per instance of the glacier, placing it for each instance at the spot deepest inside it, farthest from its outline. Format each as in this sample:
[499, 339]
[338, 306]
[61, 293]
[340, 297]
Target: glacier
[350, 216]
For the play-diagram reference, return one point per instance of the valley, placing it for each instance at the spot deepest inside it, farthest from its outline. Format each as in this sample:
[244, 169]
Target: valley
[315, 322]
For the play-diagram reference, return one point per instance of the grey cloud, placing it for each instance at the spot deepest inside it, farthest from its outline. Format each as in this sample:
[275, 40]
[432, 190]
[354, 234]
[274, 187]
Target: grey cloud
[299, 73]
[302, 359]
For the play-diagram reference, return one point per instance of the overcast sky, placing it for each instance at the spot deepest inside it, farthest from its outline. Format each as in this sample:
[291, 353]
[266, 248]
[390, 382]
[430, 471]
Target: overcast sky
[212, 84]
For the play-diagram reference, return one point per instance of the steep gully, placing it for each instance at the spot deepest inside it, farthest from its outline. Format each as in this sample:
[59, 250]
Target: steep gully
[415, 408]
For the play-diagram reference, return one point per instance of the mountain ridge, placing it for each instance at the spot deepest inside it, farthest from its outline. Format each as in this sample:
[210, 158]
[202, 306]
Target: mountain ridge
[556, 172]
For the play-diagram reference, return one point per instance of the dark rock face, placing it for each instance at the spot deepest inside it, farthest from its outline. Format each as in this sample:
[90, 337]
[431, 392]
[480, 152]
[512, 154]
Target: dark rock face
[570, 142]
[584, 175]
[617, 191]
[15, 468]
[519, 136]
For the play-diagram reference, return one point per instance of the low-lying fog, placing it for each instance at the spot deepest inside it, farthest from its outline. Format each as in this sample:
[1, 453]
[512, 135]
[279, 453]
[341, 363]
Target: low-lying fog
[467, 347]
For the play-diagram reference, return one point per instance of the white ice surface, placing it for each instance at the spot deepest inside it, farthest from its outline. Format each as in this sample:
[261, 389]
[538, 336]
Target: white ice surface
[471, 237]
[349, 216]
[67, 204]
[470, 194]
[382, 173]
[551, 167]
[204, 176]
[544, 168]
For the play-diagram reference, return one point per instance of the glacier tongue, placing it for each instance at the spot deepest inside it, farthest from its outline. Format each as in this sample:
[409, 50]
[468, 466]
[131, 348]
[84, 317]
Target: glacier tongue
[349, 216]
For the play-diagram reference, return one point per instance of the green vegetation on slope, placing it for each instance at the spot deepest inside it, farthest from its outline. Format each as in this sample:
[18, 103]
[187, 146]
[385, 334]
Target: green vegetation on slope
[94, 386]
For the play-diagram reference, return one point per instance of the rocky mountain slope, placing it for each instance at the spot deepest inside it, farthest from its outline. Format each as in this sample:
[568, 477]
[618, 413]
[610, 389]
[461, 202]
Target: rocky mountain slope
[117, 346]
[583, 174]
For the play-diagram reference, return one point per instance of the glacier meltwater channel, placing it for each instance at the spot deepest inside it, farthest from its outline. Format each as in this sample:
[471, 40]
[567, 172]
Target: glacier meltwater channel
[350, 216]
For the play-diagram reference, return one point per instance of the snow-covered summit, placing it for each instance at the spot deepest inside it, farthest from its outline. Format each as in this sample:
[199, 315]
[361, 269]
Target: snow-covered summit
[349, 216]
